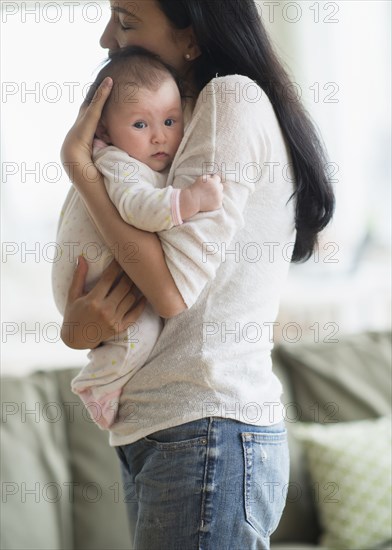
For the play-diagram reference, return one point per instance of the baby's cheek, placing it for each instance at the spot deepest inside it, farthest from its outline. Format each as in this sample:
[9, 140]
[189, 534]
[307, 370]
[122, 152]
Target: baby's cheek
[179, 139]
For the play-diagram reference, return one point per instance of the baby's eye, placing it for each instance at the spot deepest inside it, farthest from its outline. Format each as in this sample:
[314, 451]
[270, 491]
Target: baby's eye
[169, 122]
[140, 125]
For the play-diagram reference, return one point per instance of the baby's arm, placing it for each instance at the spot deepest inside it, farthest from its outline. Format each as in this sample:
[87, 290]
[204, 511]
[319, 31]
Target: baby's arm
[141, 198]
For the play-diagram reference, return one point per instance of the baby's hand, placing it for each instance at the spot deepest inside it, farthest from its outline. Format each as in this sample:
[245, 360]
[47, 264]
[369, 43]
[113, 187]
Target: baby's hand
[205, 194]
[210, 192]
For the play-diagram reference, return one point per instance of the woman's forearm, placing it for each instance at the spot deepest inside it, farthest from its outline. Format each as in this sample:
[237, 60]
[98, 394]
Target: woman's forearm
[138, 252]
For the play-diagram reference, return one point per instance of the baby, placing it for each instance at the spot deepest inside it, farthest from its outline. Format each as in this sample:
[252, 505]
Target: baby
[137, 138]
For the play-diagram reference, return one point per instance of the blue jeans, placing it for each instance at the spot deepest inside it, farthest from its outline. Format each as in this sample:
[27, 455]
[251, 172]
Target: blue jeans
[211, 484]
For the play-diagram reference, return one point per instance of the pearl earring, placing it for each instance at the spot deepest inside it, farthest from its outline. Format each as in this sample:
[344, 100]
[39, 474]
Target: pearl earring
[187, 56]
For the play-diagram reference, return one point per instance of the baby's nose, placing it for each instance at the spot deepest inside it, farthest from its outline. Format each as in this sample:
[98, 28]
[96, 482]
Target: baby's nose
[158, 135]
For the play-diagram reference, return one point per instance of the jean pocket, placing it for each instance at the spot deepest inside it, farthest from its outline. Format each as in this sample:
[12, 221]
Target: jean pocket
[178, 437]
[266, 459]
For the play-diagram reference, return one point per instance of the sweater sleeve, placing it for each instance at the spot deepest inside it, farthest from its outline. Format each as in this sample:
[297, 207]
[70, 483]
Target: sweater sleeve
[225, 136]
[138, 192]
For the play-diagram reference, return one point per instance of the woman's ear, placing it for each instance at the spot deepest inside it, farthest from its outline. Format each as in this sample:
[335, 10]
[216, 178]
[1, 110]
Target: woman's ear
[191, 47]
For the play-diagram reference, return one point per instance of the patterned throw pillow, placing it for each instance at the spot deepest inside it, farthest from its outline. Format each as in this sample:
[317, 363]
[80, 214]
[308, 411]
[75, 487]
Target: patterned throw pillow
[350, 467]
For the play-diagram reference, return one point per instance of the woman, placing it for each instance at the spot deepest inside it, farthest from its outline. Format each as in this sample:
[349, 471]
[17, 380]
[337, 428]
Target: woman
[200, 432]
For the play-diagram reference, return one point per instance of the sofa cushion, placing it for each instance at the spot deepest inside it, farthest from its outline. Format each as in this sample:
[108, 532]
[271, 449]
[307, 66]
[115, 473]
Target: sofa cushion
[36, 510]
[323, 382]
[350, 464]
[299, 523]
[343, 381]
[99, 519]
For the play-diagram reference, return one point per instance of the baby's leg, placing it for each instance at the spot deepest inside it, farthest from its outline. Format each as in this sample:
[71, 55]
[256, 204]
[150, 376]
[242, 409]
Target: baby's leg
[112, 365]
[99, 382]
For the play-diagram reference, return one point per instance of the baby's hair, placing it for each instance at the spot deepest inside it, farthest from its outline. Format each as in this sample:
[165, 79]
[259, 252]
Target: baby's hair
[134, 66]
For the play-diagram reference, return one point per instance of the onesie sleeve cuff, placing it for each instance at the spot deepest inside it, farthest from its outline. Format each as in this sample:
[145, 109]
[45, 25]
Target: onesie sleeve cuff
[175, 207]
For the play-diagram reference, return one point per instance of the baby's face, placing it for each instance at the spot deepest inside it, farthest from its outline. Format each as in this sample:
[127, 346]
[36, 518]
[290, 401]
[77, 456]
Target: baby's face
[148, 125]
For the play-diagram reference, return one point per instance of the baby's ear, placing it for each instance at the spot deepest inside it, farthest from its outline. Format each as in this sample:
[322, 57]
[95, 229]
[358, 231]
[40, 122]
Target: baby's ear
[101, 132]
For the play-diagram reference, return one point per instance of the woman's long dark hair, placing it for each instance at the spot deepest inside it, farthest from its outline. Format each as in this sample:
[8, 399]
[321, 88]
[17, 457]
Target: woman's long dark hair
[233, 40]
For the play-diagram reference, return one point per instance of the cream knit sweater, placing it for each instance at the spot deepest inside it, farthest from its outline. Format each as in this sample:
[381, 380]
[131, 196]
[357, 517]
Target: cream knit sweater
[214, 359]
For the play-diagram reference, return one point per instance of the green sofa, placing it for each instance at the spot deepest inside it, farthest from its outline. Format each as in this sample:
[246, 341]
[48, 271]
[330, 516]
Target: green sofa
[61, 485]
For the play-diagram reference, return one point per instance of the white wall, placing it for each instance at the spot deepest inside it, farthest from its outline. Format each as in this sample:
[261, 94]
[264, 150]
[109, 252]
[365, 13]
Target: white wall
[49, 55]
[54, 50]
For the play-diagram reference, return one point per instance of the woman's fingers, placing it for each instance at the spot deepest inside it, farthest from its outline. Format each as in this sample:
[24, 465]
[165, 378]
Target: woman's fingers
[133, 315]
[91, 115]
[76, 290]
[82, 109]
[123, 288]
[110, 306]
[125, 305]
[106, 281]
[77, 146]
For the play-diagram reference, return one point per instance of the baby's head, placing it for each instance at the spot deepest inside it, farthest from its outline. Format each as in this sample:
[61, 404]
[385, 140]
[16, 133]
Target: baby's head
[143, 115]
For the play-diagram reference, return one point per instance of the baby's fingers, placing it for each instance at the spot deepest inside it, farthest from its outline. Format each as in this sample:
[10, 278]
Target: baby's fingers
[212, 178]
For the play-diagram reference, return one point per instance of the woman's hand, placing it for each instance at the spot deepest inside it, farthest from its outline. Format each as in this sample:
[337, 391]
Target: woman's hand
[77, 147]
[108, 309]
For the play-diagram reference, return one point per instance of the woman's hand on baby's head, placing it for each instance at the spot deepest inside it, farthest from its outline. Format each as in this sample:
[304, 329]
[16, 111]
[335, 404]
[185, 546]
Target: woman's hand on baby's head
[77, 147]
